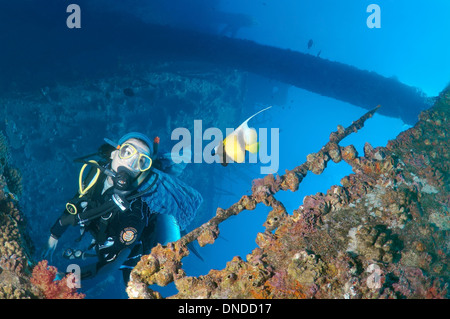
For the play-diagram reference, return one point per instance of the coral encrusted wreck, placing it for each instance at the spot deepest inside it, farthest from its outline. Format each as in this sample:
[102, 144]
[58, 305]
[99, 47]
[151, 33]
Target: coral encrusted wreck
[14, 256]
[383, 233]
[18, 278]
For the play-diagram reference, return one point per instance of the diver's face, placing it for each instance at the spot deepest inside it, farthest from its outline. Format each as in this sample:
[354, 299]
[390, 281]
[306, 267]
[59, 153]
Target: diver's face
[131, 162]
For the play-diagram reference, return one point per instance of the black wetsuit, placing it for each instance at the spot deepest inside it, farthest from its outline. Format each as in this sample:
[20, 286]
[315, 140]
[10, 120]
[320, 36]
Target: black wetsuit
[113, 226]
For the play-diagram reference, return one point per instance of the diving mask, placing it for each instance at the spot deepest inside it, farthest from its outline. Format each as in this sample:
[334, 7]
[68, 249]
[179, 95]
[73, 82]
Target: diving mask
[134, 159]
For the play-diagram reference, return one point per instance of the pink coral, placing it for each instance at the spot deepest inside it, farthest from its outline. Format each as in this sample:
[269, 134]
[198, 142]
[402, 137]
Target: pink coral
[43, 277]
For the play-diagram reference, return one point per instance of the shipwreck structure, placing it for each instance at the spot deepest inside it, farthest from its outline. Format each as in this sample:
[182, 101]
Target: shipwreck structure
[108, 41]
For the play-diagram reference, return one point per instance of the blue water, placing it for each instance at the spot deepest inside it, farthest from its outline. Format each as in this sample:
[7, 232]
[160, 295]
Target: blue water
[411, 45]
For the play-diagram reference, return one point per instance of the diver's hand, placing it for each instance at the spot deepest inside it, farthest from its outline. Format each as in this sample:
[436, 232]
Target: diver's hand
[50, 249]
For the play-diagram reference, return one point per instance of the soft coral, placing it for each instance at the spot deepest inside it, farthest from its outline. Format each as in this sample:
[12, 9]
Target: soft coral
[43, 277]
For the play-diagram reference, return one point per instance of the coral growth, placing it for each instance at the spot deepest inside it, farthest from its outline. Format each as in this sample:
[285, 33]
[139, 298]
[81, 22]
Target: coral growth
[382, 233]
[43, 278]
[14, 249]
[12, 282]
[15, 261]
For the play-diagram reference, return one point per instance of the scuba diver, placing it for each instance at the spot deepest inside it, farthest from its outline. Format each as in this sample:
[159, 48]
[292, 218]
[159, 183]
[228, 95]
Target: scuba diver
[129, 202]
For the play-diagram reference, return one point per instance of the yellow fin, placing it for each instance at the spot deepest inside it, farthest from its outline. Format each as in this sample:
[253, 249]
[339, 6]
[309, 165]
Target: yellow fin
[252, 148]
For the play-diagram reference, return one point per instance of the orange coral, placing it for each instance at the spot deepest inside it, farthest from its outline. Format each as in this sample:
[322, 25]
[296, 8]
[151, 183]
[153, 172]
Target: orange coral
[43, 277]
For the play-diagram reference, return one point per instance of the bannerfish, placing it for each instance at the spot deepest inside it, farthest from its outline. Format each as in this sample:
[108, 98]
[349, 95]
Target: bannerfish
[233, 147]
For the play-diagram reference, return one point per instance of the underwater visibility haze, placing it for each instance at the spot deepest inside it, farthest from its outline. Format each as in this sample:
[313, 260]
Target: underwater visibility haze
[299, 149]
